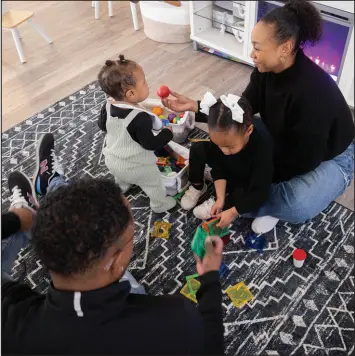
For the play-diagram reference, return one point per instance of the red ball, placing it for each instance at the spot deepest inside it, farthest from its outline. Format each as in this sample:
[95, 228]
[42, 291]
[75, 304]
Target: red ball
[163, 91]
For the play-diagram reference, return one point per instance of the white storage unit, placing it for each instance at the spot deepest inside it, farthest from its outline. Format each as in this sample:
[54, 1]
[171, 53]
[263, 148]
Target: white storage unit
[236, 20]
[221, 25]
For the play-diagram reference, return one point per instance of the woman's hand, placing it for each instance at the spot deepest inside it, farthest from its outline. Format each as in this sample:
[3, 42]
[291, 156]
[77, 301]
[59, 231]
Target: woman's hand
[180, 103]
[217, 206]
[213, 257]
[226, 217]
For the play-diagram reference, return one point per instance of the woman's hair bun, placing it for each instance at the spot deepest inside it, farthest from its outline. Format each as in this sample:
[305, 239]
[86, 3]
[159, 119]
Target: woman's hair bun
[297, 19]
[109, 63]
[309, 19]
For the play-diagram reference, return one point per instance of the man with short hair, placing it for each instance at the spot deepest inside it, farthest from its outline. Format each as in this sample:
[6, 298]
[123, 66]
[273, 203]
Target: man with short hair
[83, 233]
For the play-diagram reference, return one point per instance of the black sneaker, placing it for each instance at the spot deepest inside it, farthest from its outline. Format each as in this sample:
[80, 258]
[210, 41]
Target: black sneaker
[47, 165]
[22, 192]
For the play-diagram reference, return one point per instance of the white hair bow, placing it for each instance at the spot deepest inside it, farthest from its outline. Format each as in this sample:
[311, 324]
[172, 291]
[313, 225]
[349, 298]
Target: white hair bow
[231, 102]
[207, 101]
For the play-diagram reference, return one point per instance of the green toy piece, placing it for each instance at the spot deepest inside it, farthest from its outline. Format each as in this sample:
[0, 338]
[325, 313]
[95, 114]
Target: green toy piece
[208, 228]
[167, 170]
[214, 230]
[178, 196]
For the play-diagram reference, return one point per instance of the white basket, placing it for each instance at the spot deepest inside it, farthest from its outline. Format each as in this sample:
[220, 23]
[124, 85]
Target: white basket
[177, 182]
[180, 130]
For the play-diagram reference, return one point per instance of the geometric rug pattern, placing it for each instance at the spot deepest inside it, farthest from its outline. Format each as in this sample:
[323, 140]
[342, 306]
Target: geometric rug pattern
[306, 311]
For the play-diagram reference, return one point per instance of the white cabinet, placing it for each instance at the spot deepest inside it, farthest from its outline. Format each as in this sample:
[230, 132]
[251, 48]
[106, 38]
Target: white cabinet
[224, 28]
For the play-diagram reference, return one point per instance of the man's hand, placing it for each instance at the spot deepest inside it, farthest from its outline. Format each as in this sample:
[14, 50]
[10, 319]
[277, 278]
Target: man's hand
[217, 207]
[226, 217]
[213, 257]
[180, 103]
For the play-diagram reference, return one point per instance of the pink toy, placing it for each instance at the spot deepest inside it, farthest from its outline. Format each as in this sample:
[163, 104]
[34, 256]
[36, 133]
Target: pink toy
[299, 257]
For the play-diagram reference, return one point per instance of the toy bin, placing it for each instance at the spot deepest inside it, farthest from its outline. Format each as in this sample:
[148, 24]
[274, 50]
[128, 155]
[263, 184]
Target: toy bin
[180, 130]
[177, 182]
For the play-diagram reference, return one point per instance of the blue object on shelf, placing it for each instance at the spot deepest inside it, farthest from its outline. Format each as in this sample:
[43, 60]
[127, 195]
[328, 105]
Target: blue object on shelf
[223, 270]
[257, 242]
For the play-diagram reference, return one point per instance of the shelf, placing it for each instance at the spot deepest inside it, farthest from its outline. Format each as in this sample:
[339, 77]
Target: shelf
[226, 43]
[221, 16]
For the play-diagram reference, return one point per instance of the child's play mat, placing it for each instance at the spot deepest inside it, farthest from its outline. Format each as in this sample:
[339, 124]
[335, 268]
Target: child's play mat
[305, 311]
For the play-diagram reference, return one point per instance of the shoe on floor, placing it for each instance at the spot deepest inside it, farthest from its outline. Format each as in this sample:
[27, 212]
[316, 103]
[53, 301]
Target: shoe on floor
[191, 197]
[264, 224]
[203, 211]
[168, 204]
[22, 192]
[47, 165]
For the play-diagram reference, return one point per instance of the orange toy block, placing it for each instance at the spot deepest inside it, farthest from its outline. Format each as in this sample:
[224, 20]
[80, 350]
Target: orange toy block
[157, 110]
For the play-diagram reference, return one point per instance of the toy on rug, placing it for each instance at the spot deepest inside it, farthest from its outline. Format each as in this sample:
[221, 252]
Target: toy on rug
[223, 270]
[299, 257]
[178, 196]
[185, 291]
[161, 229]
[207, 228]
[239, 294]
[163, 92]
[188, 281]
[199, 139]
[257, 242]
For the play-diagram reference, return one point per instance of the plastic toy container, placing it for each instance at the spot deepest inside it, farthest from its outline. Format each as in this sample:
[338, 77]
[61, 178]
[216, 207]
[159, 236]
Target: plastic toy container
[180, 130]
[177, 182]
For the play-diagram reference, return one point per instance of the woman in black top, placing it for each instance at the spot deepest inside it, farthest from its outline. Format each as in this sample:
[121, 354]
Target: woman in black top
[305, 113]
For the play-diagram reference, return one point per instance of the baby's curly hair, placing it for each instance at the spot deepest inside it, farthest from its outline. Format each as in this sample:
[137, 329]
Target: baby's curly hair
[116, 77]
[76, 224]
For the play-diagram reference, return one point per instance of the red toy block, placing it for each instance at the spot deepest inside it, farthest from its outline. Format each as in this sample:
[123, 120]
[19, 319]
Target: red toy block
[226, 239]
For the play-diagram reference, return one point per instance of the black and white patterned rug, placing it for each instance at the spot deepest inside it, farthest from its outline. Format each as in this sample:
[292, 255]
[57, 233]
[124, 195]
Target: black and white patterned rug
[308, 311]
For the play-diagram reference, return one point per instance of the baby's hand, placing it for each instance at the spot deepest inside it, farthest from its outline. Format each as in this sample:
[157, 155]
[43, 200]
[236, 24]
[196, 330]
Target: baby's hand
[217, 207]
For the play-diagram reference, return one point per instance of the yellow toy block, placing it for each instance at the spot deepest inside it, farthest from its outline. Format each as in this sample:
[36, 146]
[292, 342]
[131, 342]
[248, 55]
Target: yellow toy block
[161, 229]
[239, 294]
[185, 291]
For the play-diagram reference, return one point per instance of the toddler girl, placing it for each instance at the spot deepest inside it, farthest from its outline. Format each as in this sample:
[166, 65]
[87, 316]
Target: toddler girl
[240, 158]
[130, 142]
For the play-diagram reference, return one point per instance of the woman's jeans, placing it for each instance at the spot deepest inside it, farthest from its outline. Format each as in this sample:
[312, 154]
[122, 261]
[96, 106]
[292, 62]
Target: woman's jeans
[11, 246]
[299, 199]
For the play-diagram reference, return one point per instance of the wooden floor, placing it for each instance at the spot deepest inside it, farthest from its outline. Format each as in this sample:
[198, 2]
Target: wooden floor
[81, 45]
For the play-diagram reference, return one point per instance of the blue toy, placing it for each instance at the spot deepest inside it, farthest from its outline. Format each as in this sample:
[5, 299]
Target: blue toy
[165, 122]
[257, 242]
[223, 270]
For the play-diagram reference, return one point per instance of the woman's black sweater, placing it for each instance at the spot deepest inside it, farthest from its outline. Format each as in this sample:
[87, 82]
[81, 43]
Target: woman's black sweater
[306, 114]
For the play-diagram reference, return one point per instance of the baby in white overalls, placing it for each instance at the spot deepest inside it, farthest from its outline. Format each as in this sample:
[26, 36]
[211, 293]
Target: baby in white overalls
[130, 142]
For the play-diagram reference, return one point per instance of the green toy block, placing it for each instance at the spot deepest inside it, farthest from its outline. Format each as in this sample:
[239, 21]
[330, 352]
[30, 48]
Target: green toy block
[214, 230]
[208, 228]
[198, 242]
[178, 196]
